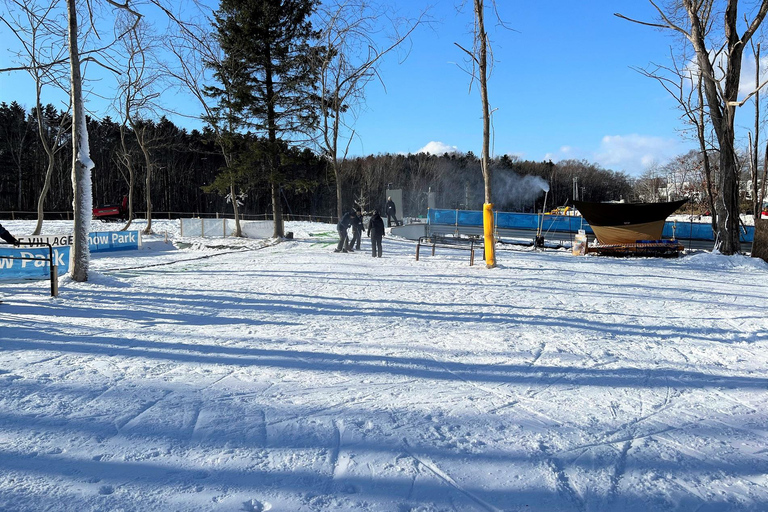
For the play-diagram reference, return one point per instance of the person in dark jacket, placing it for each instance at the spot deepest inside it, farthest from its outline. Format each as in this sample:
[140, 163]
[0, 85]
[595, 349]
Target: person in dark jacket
[391, 212]
[376, 232]
[357, 230]
[342, 227]
[5, 235]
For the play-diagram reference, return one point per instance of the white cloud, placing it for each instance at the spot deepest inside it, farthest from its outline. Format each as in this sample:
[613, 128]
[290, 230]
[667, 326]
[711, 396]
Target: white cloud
[631, 153]
[635, 153]
[438, 148]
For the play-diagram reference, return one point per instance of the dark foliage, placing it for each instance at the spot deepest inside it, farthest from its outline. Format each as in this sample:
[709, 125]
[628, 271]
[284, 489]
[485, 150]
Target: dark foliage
[188, 161]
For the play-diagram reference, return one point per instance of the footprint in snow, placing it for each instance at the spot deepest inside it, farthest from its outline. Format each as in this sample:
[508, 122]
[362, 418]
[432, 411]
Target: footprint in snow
[106, 490]
[255, 505]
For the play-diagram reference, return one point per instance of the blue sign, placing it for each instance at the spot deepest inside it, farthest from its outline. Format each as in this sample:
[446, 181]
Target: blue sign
[102, 241]
[32, 262]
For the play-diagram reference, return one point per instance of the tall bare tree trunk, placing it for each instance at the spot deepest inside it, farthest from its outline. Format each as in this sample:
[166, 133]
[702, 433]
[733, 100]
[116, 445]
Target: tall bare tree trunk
[756, 204]
[235, 209]
[148, 184]
[81, 161]
[482, 62]
[50, 151]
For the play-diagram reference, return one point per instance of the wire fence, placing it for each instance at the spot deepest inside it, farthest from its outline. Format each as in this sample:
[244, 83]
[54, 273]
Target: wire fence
[68, 215]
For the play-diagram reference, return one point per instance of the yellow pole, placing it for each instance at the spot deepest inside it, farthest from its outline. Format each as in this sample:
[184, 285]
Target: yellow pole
[490, 253]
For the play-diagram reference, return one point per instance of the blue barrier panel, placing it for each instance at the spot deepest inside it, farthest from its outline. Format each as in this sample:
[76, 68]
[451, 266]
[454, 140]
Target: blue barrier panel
[103, 241]
[442, 217]
[569, 224]
[470, 218]
[701, 231]
[508, 220]
[516, 220]
[34, 264]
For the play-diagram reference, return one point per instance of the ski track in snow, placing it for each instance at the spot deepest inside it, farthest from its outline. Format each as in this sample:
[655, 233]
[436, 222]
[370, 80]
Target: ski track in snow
[256, 375]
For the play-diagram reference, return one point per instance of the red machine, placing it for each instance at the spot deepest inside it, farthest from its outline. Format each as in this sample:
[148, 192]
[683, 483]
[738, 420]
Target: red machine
[112, 212]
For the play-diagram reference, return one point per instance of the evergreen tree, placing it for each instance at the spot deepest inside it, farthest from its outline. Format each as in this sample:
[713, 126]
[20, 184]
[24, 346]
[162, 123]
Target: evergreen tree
[269, 77]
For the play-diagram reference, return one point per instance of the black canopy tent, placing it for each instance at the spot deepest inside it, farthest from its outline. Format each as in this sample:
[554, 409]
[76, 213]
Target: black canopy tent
[623, 223]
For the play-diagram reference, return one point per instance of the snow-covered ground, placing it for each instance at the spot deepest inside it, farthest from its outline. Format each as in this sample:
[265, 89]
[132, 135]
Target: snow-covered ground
[249, 375]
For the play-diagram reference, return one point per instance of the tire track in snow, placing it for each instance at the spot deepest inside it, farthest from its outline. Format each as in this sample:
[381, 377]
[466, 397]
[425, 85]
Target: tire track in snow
[133, 420]
[426, 462]
[204, 257]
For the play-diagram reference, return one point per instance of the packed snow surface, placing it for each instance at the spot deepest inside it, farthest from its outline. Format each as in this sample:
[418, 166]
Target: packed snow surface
[252, 375]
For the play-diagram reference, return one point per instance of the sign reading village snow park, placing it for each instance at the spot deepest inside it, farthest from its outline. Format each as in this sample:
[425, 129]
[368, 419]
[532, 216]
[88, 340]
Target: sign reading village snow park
[33, 262]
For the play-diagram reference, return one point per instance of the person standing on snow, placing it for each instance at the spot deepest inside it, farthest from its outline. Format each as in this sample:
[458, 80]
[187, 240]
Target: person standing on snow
[357, 230]
[342, 227]
[376, 232]
[5, 235]
[391, 212]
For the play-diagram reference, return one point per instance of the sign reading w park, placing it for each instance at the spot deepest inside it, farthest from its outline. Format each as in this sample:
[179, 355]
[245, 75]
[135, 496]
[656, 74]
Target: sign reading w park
[31, 260]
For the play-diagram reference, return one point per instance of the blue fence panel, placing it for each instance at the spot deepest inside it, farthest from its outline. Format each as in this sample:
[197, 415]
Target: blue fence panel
[701, 231]
[442, 217]
[470, 218]
[568, 224]
[565, 223]
[506, 220]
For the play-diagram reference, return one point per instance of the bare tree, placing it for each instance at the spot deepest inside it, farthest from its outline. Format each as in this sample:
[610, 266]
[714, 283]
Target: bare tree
[687, 88]
[193, 46]
[139, 90]
[480, 71]
[81, 160]
[351, 62]
[36, 28]
[718, 60]
[758, 190]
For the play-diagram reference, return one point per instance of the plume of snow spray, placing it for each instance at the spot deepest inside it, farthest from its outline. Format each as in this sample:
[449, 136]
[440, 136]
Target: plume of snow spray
[520, 190]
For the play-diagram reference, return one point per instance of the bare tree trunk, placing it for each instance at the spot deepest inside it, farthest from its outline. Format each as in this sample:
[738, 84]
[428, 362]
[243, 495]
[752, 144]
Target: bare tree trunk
[235, 209]
[277, 211]
[43, 194]
[756, 205]
[127, 161]
[81, 162]
[274, 159]
[50, 153]
[148, 184]
[765, 180]
[700, 131]
[482, 62]
[337, 174]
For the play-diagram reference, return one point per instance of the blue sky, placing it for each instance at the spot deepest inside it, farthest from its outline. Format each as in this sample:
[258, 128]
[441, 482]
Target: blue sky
[562, 86]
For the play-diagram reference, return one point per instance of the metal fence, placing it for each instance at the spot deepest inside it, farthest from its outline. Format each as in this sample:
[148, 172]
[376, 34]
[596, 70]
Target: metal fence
[68, 215]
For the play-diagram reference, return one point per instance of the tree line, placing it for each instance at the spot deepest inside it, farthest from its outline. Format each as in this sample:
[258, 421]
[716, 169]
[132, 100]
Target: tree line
[187, 164]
